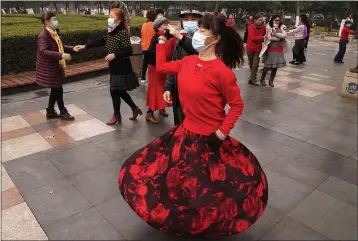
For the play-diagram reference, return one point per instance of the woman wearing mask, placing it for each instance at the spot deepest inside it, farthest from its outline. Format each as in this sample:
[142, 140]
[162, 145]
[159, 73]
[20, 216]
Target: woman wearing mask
[156, 80]
[273, 49]
[50, 65]
[301, 34]
[122, 78]
[196, 180]
[189, 24]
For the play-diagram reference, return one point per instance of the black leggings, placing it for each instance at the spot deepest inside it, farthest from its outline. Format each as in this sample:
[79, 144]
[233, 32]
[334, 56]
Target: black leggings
[56, 95]
[116, 100]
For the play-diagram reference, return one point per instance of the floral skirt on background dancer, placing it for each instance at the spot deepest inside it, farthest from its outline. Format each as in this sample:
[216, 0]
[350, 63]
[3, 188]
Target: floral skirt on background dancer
[180, 187]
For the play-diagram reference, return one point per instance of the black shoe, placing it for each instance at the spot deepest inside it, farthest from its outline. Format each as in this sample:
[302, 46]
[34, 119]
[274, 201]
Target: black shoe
[294, 62]
[338, 62]
[253, 83]
[65, 115]
[51, 113]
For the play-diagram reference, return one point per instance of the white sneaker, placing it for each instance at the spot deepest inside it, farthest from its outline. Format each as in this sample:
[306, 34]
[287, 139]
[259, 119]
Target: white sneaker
[143, 81]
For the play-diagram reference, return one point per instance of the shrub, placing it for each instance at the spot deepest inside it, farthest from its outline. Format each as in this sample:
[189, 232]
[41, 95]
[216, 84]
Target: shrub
[20, 32]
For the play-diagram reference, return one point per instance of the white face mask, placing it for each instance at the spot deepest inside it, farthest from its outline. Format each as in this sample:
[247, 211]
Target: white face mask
[110, 22]
[198, 42]
[275, 25]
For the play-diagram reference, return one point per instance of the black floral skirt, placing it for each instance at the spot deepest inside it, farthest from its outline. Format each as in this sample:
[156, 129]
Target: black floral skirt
[124, 82]
[180, 187]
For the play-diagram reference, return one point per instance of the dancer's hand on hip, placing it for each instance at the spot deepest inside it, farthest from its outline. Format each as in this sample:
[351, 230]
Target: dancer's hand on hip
[110, 57]
[167, 97]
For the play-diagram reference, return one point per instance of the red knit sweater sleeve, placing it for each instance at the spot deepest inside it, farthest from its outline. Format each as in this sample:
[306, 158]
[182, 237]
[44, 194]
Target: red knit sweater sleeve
[253, 36]
[231, 93]
[164, 67]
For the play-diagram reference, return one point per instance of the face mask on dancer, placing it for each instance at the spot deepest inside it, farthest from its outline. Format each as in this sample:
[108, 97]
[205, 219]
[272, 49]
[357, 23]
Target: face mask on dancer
[111, 23]
[198, 42]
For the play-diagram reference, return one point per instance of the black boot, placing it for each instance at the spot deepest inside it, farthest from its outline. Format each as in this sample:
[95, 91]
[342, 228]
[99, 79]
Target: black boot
[65, 115]
[272, 77]
[51, 113]
[253, 83]
[263, 76]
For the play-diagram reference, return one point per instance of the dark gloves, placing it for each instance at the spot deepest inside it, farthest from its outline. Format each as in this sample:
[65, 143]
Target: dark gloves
[167, 34]
[214, 142]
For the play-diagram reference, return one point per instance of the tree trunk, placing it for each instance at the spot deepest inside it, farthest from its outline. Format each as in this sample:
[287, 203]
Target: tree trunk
[217, 5]
[298, 8]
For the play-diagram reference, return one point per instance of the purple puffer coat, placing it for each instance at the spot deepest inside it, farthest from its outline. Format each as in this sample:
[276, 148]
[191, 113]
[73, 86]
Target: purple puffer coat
[49, 72]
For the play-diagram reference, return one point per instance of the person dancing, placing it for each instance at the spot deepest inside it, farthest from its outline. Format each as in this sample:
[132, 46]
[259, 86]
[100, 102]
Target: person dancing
[301, 34]
[122, 78]
[189, 23]
[50, 65]
[195, 180]
[156, 80]
[273, 49]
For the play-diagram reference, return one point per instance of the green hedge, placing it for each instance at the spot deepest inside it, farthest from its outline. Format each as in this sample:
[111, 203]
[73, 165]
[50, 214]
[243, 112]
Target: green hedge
[20, 32]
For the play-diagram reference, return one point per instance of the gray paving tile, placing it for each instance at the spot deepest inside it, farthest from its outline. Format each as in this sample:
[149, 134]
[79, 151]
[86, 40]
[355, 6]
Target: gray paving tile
[327, 215]
[342, 190]
[323, 115]
[289, 229]
[352, 117]
[124, 219]
[55, 201]
[353, 178]
[119, 147]
[87, 225]
[297, 171]
[265, 156]
[335, 141]
[79, 159]
[297, 128]
[264, 118]
[311, 161]
[340, 167]
[98, 184]
[44, 127]
[288, 152]
[159, 236]
[344, 127]
[285, 193]
[268, 219]
[32, 173]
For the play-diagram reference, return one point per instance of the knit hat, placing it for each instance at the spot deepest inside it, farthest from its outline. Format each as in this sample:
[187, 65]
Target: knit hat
[159, 21]
[190, 12]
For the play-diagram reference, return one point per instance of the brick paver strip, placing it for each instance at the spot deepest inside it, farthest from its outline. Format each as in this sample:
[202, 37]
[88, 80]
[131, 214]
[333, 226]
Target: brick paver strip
[28, 78]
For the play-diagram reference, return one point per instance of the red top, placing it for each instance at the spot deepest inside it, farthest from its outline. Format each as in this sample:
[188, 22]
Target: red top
[275, 46]
[205, 87]
[230, 22]
[255, 38]
[345, 32]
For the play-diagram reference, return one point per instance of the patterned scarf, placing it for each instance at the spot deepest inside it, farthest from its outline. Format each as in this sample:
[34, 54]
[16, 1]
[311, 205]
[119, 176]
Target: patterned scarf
[59, 44]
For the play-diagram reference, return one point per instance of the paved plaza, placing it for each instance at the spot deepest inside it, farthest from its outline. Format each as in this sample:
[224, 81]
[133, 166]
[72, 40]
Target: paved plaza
[59, 179]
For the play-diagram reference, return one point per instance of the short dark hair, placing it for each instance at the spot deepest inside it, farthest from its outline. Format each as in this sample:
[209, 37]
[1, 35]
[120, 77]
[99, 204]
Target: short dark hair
[230, 47]
[160, 11]
[273, 18]
[151, 15]
[47, 16]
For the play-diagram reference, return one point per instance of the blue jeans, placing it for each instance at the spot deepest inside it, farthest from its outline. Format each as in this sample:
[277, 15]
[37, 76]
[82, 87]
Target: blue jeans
[342, 50]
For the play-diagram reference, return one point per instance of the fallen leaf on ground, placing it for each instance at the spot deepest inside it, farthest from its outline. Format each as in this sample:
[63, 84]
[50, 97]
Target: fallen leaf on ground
[51, 192]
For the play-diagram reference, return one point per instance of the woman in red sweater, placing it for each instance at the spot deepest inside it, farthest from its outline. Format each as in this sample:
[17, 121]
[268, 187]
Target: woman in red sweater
[196, 180]
[156, 80]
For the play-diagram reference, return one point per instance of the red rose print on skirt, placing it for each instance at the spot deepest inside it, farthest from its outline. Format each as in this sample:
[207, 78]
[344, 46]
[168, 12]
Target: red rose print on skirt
[179, 186]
